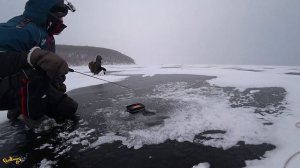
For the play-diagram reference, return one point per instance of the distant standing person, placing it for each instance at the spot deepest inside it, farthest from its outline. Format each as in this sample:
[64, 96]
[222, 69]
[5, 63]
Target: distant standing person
[96, 66]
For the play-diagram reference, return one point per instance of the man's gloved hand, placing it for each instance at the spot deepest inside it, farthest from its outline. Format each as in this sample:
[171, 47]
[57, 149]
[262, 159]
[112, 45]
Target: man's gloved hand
[52, 64]
[60, 87]
[58, 83]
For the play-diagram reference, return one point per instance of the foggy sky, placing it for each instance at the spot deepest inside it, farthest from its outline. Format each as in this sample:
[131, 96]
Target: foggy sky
[185, 31]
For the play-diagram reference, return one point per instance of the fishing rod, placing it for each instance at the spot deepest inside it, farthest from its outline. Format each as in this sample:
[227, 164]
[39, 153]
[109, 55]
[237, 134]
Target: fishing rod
[72, 70]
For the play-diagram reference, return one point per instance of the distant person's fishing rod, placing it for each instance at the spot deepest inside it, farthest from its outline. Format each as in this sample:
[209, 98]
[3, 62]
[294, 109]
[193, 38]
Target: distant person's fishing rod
[72, 70]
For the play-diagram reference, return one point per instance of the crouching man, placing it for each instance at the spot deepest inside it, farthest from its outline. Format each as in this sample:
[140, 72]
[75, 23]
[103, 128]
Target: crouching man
[31, 75]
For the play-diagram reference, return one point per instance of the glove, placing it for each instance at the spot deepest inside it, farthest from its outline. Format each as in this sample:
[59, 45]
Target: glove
[60, 87]
[58, 83]
[104, 70]
[52, 64]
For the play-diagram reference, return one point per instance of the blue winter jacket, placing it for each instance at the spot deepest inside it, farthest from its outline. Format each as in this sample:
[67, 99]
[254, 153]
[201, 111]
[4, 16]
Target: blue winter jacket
[18, 36]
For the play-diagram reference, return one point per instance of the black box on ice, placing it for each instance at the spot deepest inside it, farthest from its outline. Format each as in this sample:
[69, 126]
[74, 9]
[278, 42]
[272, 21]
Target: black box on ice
[135, 108]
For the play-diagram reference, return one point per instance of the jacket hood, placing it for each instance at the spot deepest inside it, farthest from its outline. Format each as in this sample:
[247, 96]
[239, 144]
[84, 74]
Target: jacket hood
[38, 10]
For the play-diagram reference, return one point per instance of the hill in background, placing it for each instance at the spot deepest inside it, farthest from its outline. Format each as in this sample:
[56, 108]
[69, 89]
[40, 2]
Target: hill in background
[82, 55]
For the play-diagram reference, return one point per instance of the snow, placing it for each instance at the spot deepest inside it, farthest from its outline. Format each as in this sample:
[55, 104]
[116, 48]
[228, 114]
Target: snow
[3, 116]
[206, 113]
[75, 137]
[202, 165]
[46, 145]
[47, 163]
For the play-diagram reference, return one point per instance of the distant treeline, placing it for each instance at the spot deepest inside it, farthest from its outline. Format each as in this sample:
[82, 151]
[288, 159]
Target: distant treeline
[82, 55]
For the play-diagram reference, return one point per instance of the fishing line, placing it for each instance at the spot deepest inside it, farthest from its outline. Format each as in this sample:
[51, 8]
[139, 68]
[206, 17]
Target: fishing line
[72, 70]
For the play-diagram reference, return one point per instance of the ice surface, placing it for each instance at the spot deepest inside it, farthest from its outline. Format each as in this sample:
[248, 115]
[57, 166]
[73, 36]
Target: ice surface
[203, 112]
[240, 123]
[200, 113]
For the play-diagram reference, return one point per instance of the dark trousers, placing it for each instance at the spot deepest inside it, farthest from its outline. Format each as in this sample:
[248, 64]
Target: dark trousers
[31, 92]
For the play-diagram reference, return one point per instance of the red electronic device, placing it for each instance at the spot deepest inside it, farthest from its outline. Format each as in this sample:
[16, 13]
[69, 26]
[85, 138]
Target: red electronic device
[135, 108]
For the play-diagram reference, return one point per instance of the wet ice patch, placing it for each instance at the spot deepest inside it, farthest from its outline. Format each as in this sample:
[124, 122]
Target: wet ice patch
[293, 73]
[250, 69]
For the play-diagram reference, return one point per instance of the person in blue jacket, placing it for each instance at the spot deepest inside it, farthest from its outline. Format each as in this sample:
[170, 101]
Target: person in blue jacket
[32, 75]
